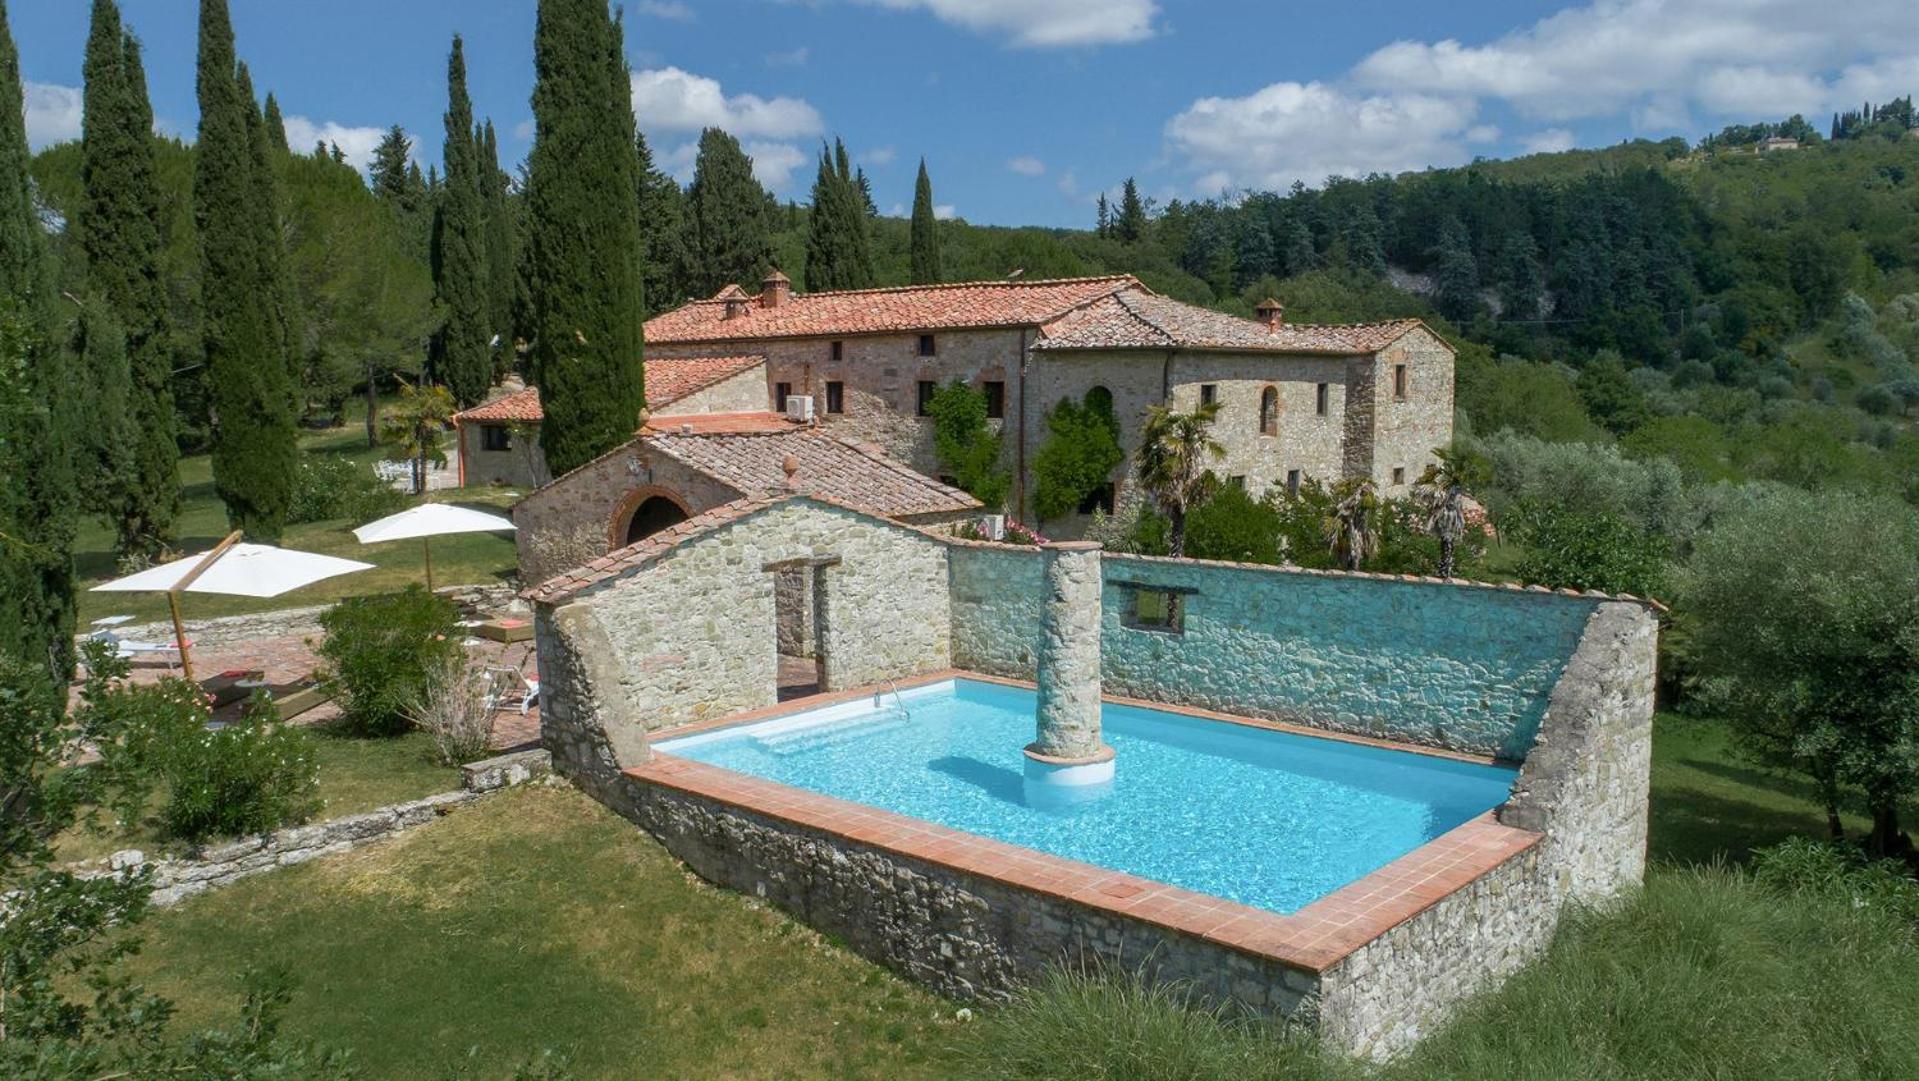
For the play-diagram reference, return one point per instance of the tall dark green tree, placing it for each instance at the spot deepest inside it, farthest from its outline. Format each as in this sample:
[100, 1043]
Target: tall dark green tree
[36, 482]
[1130, 224]
[729, 238]
[270, 231]
[118, 226]
[390, 167]
[926, 232]
[502, 284]
[838, 255]
[584, 290]
[464, 361]
[254, 448]
[662, 232]
[1455, 271]
[276, 125]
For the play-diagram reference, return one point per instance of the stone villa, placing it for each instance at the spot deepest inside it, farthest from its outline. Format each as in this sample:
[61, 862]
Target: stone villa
[1297, 402]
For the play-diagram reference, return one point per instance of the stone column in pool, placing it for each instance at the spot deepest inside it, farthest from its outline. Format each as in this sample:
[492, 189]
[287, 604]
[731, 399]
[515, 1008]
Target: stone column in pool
[1067, 761]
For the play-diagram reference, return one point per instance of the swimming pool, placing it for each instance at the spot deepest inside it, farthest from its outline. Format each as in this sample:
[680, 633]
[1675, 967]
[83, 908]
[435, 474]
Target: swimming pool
[1270, 819]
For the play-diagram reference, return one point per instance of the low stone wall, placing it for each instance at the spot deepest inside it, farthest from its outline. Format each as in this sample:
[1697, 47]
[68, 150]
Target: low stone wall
[223, 632]
[176, 879]
[961, 934]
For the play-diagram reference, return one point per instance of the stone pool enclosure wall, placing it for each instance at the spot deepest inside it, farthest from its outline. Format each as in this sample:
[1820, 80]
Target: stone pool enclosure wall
[682, 630]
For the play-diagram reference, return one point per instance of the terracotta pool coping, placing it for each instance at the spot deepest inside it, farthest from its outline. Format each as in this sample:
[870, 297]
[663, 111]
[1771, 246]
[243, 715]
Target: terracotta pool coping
[1313, 939]
[833, 698]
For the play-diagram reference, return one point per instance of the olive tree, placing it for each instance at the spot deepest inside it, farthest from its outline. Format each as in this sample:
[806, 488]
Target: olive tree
[1800, 613]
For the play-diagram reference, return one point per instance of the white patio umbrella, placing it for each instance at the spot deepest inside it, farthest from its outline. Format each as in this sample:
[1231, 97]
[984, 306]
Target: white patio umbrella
[233, 568]
[429, 520]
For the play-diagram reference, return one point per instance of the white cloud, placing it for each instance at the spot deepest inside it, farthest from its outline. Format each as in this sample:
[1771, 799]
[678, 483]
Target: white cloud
[773, 163]
[1027, 165]
[670, 99]
[879, 155]
[1660, 59]
[1550, 141]
[356, 143]
[1044, 23]
[524, 129]
[1068, 184]
[791, 58]
[944, 212]
[53, 113]
[672, 10]
[1309, 131]
[1482, 133]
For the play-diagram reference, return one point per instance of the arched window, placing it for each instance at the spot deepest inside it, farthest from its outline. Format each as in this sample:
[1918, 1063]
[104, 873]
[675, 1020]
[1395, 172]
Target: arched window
[1269, 411]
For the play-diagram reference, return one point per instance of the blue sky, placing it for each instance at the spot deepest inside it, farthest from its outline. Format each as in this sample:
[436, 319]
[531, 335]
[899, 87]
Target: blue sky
[1027, 109]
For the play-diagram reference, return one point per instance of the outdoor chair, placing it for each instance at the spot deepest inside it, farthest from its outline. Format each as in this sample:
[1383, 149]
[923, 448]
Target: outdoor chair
[506, 688]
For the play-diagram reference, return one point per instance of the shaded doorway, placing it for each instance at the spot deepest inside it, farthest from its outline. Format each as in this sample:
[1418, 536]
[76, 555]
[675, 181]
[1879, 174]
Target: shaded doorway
[650, 517]
[799, 626]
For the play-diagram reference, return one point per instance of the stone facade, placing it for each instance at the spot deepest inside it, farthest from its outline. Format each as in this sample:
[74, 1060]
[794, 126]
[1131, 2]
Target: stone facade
[1560, 683]
[520, 464]
[1068, 669]
[565, 525]
[695, 634]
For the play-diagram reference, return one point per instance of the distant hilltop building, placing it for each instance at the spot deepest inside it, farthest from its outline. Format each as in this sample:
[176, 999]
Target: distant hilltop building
[1777, 142]
[1296, 401]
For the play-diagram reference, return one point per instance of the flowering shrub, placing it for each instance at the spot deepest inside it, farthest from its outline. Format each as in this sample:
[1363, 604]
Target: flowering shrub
[381, 652]
[248, 777]
[1015, 533]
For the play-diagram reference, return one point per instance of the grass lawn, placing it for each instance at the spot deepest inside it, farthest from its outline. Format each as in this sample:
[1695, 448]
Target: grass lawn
[355, 775]
[538, 920]
[457, 560]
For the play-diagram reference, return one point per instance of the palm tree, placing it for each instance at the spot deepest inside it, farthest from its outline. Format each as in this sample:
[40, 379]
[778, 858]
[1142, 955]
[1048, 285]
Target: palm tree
[1174, 448]
[414, 428]
[1442, 496]
[1351, 531]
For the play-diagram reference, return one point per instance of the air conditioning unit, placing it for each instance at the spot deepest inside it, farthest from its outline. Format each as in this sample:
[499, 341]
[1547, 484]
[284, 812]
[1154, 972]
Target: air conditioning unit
[799, 407]
[994, 526]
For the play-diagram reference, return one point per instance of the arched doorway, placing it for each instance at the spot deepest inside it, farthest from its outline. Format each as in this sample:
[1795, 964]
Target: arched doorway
[653, 515]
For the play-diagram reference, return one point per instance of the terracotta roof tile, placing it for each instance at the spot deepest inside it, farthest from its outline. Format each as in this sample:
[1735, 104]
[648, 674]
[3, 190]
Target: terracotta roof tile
[718, 423]
[829, 467]
[668, 379]
[877, 311]
[1138, 319]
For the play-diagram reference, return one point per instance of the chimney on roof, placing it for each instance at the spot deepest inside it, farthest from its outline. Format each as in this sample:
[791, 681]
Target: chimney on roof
[791, 467]
[775, 289]
[736, 301]
[1270, 312]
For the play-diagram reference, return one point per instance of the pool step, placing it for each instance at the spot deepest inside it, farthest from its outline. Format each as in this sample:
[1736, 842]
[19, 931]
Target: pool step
[815, 737]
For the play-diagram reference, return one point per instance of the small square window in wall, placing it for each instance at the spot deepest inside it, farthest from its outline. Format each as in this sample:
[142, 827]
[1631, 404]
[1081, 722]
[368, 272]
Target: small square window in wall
[995, 391]
[838, 351]
[1292, 482]
[1208, 393]
[1399, 474]
[928, 388]
[1321, 397]
[781, 392]
[835, 396]
[496, 437]
[927, 345]
[1237, 480]
[1157, 610]
[1399, 381]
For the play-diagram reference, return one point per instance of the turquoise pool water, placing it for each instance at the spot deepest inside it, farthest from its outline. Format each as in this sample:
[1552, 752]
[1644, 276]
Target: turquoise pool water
[1268, 819]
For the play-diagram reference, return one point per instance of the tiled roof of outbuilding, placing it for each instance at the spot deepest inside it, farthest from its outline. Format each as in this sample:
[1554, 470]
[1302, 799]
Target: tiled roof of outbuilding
[1137, 319]
[839, 469]
[668, 379]
[877, 311]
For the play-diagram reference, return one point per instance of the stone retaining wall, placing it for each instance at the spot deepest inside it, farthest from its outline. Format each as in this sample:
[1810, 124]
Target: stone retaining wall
[176, 879]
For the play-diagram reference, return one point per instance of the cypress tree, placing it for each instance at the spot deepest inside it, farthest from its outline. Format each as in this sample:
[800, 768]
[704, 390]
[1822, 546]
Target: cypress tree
[583, 247]
[501, 284]
[662, 232]
[36, 496]
[267, 226]
[460, 264]
[1131, 223]
[118, 227]
[838, 255]
[926, 235]
[389, 168]
[254, 447]
[729, 239]
[1103, 217]
[102, 462]
[276, 125]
